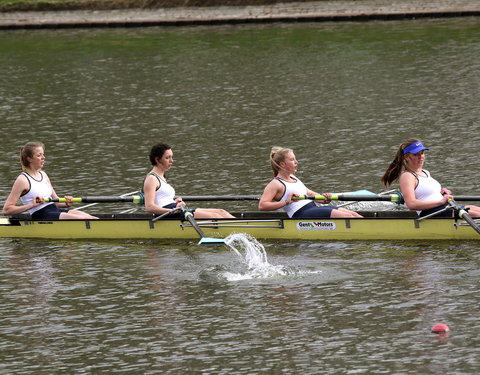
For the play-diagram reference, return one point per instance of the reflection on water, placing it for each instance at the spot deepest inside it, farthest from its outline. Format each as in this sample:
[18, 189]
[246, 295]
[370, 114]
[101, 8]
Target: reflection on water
[342, 95]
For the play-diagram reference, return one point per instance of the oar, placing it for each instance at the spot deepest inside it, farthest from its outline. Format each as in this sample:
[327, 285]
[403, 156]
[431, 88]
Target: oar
[204, 240]
[221, 197]
[139, 199]
[467, 197]
[94, 204]
[462, 212]
[396, 197]
[365, 192]
[168, 213]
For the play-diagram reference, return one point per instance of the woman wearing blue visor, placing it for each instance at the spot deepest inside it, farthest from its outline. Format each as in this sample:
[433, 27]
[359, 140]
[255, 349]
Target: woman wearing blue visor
[421, 192]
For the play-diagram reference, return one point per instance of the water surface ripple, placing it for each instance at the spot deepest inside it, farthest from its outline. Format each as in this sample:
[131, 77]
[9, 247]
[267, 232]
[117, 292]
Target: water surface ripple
[342, 95]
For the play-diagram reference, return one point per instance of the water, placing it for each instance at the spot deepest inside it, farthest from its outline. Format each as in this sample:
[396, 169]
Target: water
[254, 259]
[342, 95]
[148, 308]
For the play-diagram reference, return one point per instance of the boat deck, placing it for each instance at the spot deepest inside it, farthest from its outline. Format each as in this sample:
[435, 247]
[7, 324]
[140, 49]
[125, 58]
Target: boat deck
[248, 215]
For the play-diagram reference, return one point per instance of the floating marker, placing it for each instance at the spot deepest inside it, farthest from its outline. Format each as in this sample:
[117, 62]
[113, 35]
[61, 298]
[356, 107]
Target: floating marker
[440, 328]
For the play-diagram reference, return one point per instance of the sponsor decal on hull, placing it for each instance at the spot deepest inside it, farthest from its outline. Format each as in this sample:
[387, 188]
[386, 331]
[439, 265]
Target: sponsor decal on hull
[316, 225]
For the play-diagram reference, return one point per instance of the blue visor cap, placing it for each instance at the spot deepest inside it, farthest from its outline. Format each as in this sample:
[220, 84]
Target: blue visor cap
[414, 148]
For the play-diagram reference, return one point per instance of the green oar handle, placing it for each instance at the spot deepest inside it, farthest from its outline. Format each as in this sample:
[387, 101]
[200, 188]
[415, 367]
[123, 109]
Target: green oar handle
[311, 197]
[396, 198]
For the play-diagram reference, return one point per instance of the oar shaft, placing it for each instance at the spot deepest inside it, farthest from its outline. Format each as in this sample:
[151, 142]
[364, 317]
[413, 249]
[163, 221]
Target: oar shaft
[340, 197]
[203, 239]
[140, 199]
[465, 198]
[220, 197]
[396, 197]
[464, 215]
[193, 223]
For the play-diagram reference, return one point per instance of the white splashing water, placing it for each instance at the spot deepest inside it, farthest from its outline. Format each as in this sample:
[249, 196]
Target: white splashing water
[253, 256]
[254, 252]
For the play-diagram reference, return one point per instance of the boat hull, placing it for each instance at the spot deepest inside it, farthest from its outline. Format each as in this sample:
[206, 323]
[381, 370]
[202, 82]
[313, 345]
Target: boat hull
[263, 227]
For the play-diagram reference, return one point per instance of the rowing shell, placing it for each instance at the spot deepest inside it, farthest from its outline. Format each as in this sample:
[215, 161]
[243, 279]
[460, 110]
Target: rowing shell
[375, 225]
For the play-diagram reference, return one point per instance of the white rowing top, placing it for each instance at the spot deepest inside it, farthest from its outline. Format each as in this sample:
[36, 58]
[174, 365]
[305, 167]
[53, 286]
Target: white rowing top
[38, 188]
[428, 189]
[293, 187]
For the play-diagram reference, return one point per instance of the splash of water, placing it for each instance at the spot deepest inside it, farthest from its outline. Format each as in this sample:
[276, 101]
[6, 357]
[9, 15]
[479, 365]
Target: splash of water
[253, 256]
[253, 263]
[254, 252]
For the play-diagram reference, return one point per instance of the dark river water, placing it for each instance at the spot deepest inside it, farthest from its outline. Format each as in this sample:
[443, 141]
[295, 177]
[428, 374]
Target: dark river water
[342, 95]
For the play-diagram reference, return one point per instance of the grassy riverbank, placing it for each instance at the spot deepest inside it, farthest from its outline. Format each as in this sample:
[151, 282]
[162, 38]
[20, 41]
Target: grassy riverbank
[46, 5]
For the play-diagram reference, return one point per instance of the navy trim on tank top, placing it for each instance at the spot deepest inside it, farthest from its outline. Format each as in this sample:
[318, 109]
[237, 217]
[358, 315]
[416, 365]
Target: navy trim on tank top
[29, 183]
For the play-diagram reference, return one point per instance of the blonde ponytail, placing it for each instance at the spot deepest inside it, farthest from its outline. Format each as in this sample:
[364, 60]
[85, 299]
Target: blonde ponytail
[277, 155]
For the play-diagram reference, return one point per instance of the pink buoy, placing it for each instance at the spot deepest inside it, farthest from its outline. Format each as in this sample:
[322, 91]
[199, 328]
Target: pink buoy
[440, 328]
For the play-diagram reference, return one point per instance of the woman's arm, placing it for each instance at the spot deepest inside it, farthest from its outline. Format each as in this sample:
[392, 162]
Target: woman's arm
[271, 194]
[19, 187]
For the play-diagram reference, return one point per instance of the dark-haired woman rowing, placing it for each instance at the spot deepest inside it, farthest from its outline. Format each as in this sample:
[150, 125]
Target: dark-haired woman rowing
[160, 195]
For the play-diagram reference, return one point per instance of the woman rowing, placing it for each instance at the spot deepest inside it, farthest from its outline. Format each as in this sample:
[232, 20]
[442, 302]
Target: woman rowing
[160, 195]
[279, 191]
[421, 192]
[32, 186]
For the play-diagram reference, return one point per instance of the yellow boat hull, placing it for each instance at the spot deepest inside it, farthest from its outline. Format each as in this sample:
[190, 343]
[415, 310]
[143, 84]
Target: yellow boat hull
[270, 228]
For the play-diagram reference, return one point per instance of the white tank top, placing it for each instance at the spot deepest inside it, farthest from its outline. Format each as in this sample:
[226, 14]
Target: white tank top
[38, 188]
[293, 187]
[428, 189]
[165, 194]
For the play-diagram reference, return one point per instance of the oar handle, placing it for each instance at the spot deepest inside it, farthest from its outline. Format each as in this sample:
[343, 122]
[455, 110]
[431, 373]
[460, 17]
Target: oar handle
[311, 197]
[139, 199]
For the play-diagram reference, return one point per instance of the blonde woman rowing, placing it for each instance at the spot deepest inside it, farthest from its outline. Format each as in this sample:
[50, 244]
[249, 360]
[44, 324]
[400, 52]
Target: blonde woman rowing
[285, 185]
